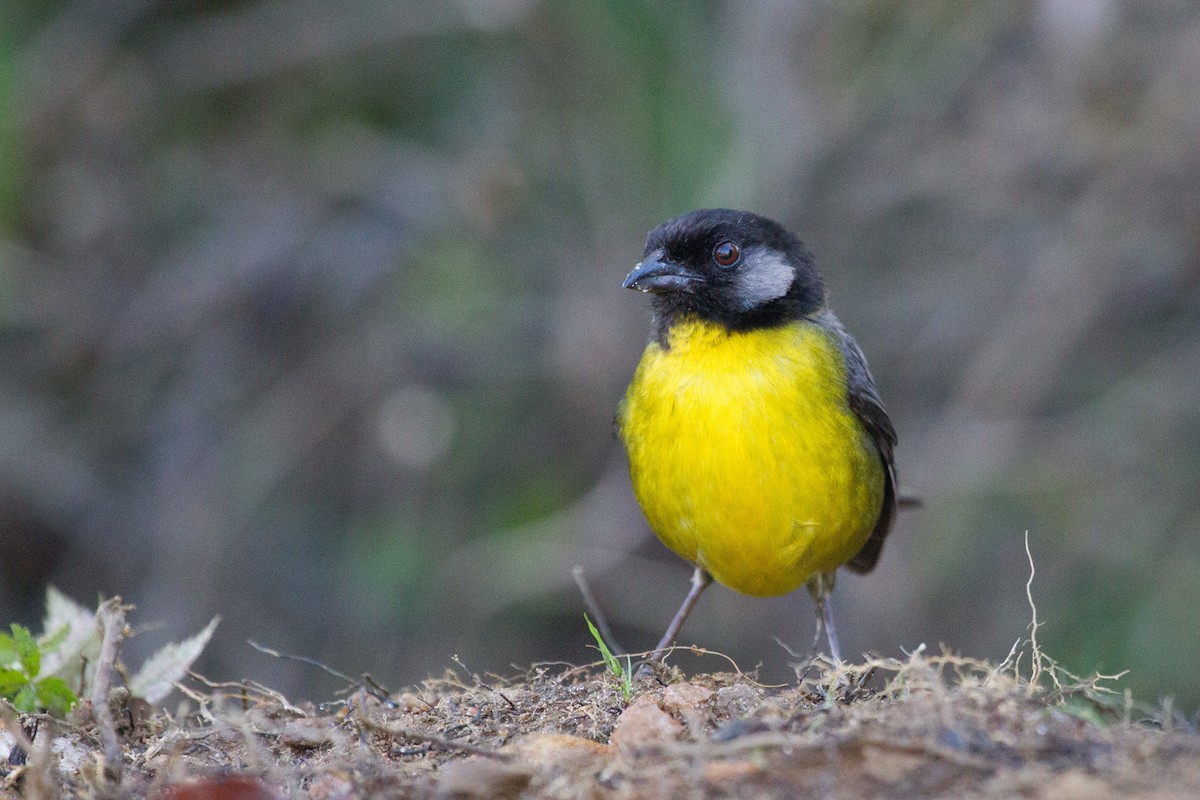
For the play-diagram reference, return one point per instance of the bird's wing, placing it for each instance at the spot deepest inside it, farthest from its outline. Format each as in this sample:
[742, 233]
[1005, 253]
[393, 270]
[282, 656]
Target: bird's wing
[866, 405]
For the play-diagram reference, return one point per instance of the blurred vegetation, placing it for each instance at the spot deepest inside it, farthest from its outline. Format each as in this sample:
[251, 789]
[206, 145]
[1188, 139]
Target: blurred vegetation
[310, 314]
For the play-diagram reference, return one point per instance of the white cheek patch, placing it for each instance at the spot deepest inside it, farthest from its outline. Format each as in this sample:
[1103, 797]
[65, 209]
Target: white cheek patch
[765, 276]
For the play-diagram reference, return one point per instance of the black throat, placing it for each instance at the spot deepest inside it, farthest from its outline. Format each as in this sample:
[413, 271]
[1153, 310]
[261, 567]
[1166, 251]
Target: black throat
[799, 303]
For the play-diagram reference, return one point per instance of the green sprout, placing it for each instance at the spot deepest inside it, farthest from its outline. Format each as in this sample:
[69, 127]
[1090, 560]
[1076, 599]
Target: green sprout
[622, 673]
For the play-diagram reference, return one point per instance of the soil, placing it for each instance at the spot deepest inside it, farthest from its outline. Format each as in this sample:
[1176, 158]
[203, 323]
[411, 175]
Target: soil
[926, 727]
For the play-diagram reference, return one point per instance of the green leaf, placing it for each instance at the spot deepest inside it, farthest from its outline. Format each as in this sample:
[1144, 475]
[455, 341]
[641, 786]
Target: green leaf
[26, 699]
[11, 680]
[27, 650]
[8, 650]
[55, 696]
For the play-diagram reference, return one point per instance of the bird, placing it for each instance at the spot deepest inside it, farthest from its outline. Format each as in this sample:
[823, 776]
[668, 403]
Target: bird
[758, 447]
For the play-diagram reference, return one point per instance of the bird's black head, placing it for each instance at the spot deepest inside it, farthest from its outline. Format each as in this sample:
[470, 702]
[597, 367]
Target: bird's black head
[734, 268]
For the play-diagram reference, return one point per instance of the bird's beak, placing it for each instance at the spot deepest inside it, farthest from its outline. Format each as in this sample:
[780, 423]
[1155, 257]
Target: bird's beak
[656, 274]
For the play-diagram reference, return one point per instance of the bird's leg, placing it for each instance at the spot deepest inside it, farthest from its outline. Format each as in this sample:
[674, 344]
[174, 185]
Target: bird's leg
[700, 582]
[820, 586]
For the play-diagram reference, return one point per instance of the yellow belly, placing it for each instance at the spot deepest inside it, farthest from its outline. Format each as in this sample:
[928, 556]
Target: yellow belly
[745, 456]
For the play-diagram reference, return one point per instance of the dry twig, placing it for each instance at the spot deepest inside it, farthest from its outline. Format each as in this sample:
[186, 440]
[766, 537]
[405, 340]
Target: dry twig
[111, 616]
[405, 732]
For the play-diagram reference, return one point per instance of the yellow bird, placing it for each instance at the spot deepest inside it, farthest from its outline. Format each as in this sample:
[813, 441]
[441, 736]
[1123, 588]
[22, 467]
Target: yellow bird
[758, 447]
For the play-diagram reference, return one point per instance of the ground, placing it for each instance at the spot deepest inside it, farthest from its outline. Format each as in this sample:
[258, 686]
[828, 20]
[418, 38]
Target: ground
[925, 727]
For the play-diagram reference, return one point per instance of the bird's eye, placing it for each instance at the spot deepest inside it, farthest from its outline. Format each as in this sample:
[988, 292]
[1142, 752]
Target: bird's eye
[726, 253]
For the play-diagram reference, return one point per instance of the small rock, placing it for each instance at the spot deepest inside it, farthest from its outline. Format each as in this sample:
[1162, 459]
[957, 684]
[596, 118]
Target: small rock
[331, 786]
[542, 749]
[690, 704]
[643, 724]
[478, 777]
[680, 696]
[737, 700]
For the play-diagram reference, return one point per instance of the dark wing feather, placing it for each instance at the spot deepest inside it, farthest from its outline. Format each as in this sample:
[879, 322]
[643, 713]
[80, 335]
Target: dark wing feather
[866, 405]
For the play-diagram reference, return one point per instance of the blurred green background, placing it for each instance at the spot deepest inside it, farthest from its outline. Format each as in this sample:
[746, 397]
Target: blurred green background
[310, 315]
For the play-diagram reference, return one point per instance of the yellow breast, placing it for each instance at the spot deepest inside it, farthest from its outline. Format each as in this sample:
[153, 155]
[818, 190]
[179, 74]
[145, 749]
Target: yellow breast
[746, 457]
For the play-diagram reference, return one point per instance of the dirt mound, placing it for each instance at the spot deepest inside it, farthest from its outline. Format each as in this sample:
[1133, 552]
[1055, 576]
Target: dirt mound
[925, 727]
